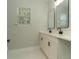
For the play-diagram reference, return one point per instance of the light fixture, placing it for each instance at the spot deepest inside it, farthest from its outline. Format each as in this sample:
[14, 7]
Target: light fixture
[57, 2]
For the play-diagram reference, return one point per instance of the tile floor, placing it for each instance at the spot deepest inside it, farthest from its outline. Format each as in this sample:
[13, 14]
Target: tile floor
[26, 53]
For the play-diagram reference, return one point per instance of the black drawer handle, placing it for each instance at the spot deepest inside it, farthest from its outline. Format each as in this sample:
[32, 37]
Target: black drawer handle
[8, 40]
[48, 43]
[41, 38]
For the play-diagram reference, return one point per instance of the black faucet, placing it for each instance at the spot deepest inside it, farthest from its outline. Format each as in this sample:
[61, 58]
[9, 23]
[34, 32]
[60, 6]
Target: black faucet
[50, 30]
[59, 30]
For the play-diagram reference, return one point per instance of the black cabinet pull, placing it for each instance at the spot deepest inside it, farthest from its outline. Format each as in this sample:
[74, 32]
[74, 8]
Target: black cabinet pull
[8, 40]
[48, 43]
[41, 38]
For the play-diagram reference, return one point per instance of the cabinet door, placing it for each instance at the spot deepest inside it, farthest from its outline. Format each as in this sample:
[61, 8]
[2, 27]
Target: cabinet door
[52, 47]
[64, 49]
[43, 43]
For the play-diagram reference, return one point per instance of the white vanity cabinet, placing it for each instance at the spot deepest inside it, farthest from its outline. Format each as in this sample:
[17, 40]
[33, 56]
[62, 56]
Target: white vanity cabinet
[55, 48]
[64, 49]
[49, 46]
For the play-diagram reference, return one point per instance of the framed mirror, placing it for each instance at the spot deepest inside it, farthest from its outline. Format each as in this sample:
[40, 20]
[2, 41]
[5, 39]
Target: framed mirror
[51, 21]
[62, 14]
[51, 12]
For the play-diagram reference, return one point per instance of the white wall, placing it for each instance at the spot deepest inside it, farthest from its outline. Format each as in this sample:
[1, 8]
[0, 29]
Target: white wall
[23, 36]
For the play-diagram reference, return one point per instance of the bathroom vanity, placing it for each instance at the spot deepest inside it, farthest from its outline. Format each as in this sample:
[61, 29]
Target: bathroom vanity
[55, 46]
